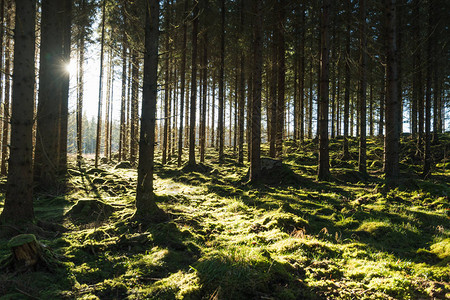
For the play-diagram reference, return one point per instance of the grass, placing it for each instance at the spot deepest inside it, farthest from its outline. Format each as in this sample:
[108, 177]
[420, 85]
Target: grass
[286, 237]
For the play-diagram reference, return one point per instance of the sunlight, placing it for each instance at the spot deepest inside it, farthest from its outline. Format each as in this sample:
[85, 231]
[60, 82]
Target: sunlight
[71, 68]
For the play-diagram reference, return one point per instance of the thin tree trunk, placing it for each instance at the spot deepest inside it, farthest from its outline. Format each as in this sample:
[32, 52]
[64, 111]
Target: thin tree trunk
[122, 135]
[134, 107]
[362, 162]
[80, 88]
[281, 49]
[427, 150]
[324, 163]
[100, 89]
[108, 103]
[255, 164]
[6, 100]
[204, 98]
[346, 153]
[221, 83]
[183, 82]
[193, 105]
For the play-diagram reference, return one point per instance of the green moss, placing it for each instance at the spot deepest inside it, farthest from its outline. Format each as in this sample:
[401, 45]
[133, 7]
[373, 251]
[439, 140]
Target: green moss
[21, 239]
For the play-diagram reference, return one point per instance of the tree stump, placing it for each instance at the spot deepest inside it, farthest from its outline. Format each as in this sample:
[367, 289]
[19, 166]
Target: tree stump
[26, 251]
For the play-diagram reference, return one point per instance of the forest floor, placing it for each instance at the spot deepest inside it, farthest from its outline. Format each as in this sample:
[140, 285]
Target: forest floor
[287, 237]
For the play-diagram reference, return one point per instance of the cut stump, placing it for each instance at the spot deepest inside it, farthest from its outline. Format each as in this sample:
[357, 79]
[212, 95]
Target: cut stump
[27, 254]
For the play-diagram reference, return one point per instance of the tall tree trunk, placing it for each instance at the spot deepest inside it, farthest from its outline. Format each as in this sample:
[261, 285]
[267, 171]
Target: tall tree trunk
[18, 208]
[193, 105]
[66, 22]
[302, 75]
[6, 100]
[382, 102]
[257, 45]
[324, 159]
[146, 208]
[391, 142]
[134, 107]
[281, 78]
[213, 107]
[427, 150]
[108, 103]
[221, 83]
[122, 134]
[50, 96]
[241, 92]
[204, 98]
[347, 80]
[273, 97]
[363, 86]
[166, 89]
[80, 87]
[100, 88]
[183, 82]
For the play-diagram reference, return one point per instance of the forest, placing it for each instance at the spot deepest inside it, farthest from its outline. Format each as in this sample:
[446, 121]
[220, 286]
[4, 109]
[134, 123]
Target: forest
[224, 149]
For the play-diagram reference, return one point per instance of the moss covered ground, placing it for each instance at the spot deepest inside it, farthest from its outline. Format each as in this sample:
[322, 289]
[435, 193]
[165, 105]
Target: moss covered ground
[286, 237]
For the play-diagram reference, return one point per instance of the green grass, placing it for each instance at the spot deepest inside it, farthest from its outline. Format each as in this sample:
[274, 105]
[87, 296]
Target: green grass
[286, 237]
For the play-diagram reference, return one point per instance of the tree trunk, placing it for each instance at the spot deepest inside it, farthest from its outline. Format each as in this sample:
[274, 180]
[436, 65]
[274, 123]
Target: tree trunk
[122, 134]
[18, 206]
[391, 142]
[80, 88]
[146, 208]
[241, 92]
[6, 101]
[255, 164]
[363, 86]
[183, 82]
[50, 97]
[273, 96]
[108, 103]
[221, 83]
[281, 78]
[204, 98]
[324, 163]
[100, 88]
[134, 107]
[166, 90]
[193, 105]
[347, 81]
[302, 75]
[427, 150]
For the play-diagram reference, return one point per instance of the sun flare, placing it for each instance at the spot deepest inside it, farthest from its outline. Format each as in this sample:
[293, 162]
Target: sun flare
[71, 68]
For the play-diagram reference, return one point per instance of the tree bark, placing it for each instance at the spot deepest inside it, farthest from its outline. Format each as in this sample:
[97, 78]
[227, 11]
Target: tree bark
[346, 153]
[362, 162]
[50, 97]
[391, 142]
[18, 208]
[281, 78]
[183, 83]
[100, 88]
[255, 164]
[324, 163]
[193, 105]
[146, 208]
[220, 130]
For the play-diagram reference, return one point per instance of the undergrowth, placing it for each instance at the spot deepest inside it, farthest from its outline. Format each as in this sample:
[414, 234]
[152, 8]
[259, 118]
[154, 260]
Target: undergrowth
[286, 237]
